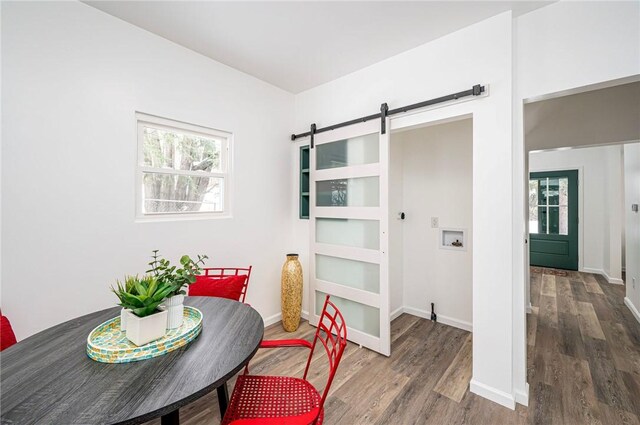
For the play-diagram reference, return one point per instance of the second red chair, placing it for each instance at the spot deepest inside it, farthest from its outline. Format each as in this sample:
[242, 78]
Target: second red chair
[283, 400]
[223, 282]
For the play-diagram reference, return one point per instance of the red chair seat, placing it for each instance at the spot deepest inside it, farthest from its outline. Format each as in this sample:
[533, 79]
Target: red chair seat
[283, 400]
[256, 398]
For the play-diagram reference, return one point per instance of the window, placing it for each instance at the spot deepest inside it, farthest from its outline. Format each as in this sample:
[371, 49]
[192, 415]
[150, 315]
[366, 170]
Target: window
[183, 169]
[304, 181]
[548, 205]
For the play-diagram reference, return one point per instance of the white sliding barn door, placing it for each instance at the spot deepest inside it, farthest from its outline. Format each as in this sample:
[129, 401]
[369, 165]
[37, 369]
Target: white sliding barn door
[349, 230]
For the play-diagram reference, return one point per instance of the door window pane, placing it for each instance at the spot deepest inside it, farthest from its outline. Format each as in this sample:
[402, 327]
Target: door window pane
[553, 221]
[533, 206]
[564, 191]
[542, 219]
[357, 316]
[349, 232]
[352, 273]
[355, 151]
[553, 191]
[542, 191]
[563, 227]
[356, 192]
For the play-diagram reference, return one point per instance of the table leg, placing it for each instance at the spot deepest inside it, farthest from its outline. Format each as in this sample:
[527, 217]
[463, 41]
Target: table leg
[171, 418]
[223, 398]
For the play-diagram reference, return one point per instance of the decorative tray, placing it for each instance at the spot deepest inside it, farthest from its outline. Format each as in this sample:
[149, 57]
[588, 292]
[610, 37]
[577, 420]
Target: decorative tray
[108, 344]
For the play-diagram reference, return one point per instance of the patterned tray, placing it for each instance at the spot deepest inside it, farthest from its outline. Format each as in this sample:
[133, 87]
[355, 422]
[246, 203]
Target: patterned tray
[108, 344]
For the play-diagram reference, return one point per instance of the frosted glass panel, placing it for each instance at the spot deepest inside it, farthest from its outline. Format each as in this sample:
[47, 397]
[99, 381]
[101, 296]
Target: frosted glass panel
[352, 273]
[355, 151]
[357, 192]
[349, 232]
[357, 316]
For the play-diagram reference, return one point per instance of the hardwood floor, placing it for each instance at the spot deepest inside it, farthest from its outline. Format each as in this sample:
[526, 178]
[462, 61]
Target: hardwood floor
[584, 351]
[583, 366]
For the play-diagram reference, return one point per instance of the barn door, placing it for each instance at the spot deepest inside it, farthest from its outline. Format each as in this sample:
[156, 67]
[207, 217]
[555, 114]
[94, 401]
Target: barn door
[349, 230]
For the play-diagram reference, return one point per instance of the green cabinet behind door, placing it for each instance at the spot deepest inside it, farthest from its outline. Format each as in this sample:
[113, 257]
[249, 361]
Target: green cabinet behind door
[553, 219]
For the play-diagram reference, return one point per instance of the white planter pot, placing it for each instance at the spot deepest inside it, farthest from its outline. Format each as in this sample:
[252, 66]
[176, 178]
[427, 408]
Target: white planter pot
[142, 330]
[123, 319]
[175, 310]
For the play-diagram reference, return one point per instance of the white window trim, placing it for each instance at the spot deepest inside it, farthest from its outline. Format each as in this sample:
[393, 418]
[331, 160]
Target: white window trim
[226, 158]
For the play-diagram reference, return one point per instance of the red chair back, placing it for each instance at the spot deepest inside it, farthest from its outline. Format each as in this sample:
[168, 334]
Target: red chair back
[7, 337]
[221, 272]
[332, 334]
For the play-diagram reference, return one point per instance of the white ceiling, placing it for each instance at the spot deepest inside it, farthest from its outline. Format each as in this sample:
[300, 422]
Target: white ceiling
[299, 45]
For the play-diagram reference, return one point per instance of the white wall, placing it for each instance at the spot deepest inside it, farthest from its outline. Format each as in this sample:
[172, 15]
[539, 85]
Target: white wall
[72, 79]
[573, 44]
[436, 169]
[429, 71]
[632, 196]
[600, 206]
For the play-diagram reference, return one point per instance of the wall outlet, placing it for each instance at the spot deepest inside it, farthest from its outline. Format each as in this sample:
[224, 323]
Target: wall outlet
[434, 222]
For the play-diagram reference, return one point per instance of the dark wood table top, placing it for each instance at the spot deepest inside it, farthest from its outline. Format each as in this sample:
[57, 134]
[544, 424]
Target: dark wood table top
[48, 378]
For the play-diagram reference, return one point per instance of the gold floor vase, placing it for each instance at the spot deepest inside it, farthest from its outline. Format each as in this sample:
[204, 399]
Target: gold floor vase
[291, 295]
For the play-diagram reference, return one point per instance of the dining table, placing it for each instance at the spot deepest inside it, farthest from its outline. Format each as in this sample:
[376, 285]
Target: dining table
[48, 378]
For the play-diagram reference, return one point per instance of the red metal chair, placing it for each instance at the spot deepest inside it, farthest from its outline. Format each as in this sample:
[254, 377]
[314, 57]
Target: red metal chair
[223, 272]
[283, 400]
[7, 337]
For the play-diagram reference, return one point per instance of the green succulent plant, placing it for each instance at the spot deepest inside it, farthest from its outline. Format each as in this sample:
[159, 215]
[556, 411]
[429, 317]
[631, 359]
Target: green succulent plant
[180, 277]
[142, 295]
[127, 286]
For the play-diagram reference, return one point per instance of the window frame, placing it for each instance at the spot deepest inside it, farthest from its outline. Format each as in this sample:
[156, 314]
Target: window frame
[226, 167]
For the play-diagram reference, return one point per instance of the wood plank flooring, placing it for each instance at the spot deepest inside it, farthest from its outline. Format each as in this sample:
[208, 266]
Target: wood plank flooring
[583, 366]
[584, 351]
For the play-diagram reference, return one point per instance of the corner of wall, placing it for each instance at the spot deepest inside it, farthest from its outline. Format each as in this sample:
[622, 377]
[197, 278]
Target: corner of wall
[493, 394]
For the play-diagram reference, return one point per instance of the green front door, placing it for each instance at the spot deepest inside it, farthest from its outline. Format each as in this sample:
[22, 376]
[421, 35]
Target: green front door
[553, 219]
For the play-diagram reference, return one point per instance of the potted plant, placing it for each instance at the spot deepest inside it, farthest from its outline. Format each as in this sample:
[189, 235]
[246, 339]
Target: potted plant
[145, 322]
[128, 287]
[180, 278]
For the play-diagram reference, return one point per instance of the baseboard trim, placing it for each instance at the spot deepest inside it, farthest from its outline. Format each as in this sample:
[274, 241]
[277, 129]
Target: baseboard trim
[272, 320]
[445, 320]
[396, 313]
[602, 273]
[493, 394]
[613, 280]
[633, 308]
[522, 397]
[590, 270]
[529, 308]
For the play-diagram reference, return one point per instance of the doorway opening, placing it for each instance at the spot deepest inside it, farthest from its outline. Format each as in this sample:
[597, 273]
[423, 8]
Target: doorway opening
[431, 220]
[582, 133]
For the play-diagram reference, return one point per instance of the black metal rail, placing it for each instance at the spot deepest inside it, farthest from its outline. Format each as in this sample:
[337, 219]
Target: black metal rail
[476, 90]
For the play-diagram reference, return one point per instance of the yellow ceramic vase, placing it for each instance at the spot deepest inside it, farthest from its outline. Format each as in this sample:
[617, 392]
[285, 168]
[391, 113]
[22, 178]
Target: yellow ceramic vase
[291, 295]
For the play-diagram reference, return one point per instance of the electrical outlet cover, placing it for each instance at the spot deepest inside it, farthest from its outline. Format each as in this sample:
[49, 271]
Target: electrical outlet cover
[434, 222]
